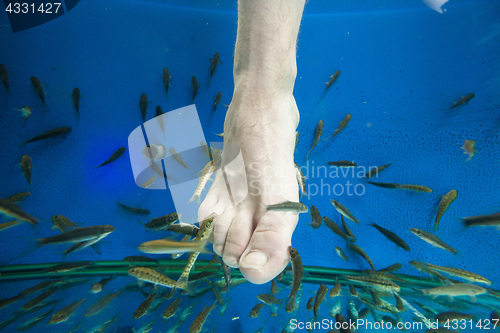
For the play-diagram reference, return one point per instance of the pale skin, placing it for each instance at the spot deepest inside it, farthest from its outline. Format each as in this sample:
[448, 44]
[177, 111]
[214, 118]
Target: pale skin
[260, 123]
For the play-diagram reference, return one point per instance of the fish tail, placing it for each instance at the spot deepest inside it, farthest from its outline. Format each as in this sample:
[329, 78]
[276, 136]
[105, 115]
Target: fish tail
[182, 283]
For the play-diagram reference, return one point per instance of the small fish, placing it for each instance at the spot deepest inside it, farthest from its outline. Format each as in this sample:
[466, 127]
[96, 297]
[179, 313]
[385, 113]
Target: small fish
[423, 268]
[336, 290]
[139, 259]
[492, 220]
[203, 179]
[184, 228]
[375, 282]
[362, 253]
[203, 235]
[160, 119]
[353, 291]
[195, 86]
[78, 235]
[469, 276]
[65, 313]
[343, 164]
[37, 300]
[98, 286]
[226, 271]
[135, 210]
[220, 135]
[7, 301]
[445, 202]
[392, 237]
[62, 223]
[344, 211]
[143, 105]
[149, 182]
[300, 179]
[68, 267]
[342, 124]
[18, 197]
[50, 134]
[319, 130]
[150, 275]
[39, 88]
[336, 308]
[433, 240]
[166, 246]
[335, 228]
[119, 152]
[76, 99]
[298, 273]
[444, 316]
[144, 306]
[214, 62]
[288, 206]
[333, 78]
[320, 296]
[385, 185]
[274, 287]
[177, 157]
[199, 321]
[217, 99]
[26, 165]
[416, 188]
[375, 171]
[399, 303]
[11, 209]
[392, 268]
[457, 289]
[172, 308]
[316, 217]
[26, 111]
[353, 312]
[268, 299]
[341, 253]
[343, 323]
[347, 230]
[463, 100]
[4, 76]
[8, 225]
[101, 304]
[364, 312]
[162, 222]
[40, 286]
[166, 79]
[468, 148]
[254, 313]
[34, 321]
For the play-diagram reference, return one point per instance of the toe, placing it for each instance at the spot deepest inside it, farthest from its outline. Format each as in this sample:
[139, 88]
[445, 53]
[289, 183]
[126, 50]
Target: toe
[266, 255]
[207, 206]
[221, 226]
[238, 236]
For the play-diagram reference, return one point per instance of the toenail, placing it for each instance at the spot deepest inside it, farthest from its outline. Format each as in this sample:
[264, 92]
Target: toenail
[254, 260]
[218, 249]
[230, 261]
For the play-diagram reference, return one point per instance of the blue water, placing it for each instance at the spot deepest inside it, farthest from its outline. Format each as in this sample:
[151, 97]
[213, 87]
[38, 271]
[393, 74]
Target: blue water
[402, 67]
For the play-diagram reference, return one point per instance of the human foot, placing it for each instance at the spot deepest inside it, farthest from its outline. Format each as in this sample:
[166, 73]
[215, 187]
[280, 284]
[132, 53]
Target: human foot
[256, 170]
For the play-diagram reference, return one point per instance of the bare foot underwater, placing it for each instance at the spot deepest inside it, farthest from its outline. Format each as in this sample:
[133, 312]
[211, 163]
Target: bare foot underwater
[259, 139]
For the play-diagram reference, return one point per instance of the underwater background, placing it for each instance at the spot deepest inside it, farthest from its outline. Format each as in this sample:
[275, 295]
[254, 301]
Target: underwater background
[402, 66]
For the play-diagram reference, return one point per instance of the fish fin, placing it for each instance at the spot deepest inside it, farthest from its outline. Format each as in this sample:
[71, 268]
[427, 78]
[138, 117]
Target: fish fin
[97, 248]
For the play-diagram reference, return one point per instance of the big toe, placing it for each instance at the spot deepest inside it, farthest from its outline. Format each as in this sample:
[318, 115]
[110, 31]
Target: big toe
[267, 252]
